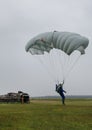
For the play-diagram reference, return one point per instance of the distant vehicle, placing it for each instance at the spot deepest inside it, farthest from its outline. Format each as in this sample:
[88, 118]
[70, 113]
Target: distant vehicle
[15, 97]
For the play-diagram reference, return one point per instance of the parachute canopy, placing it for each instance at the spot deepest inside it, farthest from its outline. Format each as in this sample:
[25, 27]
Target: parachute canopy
[65, 41]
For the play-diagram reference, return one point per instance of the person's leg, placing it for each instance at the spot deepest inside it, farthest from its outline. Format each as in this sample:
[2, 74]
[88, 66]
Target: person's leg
[63, 98]
[63, 101]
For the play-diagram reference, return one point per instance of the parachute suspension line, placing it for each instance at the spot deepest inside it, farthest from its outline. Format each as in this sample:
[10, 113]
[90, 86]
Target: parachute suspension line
[63, 63]
[72, 65]
[41, 60]
[53, 62]
[50, 65]
[66, 64]
[60, 66]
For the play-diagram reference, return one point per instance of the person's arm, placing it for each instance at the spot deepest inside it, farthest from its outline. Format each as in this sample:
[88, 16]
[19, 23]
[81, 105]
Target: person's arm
[63, 82]
[64, 91]
[56, 87]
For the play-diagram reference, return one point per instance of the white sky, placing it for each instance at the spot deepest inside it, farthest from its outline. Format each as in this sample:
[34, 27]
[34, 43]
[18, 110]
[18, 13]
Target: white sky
[20, 20]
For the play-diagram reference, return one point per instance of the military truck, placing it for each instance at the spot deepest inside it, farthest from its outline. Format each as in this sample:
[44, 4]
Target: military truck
[15, 97]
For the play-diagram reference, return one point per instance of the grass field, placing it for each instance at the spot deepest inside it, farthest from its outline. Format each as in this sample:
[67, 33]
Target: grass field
[47, 115]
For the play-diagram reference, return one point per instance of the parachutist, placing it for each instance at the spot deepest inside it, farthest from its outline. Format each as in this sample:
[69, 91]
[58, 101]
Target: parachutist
[59, 89]
[53, 49]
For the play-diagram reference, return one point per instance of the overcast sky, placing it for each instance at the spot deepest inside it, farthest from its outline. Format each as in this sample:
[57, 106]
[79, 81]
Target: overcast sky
[20, 20]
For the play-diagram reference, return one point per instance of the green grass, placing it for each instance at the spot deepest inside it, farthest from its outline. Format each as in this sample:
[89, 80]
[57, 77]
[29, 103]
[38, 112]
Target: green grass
[47, 115]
